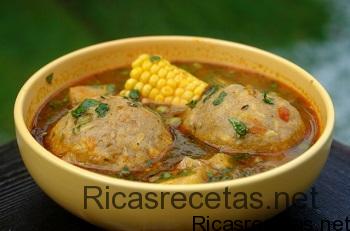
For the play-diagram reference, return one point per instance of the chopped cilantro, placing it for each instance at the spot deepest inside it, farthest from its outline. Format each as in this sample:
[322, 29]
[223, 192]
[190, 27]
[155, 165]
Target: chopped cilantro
[134, 95]
[166, 175]
[267, 99]
[220, 98]
[124, 172]
[83, 107]
[102, 109]
[211, 91]
[154, 58]
[49, 78]
[192, 104]
[240, 128]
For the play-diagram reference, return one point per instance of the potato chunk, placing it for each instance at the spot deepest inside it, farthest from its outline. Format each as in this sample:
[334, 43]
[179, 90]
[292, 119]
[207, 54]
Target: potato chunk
[78, 93]
[221, 161]
[199, 176]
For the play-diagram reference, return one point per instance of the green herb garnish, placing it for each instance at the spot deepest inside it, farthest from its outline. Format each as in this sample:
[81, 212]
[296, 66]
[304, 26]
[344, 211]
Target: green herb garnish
[49, 78]
[134, 95]
[124, 172]
[267, 99]
[165, 175]
[192, 104]
[211, 91]
[83, 107]
[154, 58]
[240, 128]
[102, 109]
[220, 98]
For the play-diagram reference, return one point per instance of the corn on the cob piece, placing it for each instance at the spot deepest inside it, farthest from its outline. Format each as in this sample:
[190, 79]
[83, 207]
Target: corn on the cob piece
[162, 82]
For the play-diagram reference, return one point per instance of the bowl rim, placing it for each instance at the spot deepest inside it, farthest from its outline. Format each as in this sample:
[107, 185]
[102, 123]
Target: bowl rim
[27, 138]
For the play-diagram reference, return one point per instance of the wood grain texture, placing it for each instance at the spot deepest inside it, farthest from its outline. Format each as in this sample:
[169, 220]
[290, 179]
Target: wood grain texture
[23, 206]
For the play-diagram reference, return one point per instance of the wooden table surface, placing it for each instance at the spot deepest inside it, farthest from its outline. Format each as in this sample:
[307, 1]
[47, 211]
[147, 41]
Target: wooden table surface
[23, 206]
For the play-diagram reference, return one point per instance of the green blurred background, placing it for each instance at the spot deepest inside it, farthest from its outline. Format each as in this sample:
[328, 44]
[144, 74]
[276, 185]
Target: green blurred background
[32, 33]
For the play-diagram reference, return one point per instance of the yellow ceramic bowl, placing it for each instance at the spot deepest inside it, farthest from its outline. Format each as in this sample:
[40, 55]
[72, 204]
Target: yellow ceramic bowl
[65, 183]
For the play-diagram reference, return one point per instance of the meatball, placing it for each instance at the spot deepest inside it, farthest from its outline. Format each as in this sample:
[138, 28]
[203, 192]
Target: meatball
[110, 134]
[238, 119]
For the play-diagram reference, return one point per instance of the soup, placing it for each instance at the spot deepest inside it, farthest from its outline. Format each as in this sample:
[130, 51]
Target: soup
[181, 123]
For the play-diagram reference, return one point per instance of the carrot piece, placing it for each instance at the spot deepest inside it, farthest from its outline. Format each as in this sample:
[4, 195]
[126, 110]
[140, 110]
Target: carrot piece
[283, 113]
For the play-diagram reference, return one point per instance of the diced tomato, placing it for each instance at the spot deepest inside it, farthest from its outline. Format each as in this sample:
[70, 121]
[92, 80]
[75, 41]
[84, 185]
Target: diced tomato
[283, 113]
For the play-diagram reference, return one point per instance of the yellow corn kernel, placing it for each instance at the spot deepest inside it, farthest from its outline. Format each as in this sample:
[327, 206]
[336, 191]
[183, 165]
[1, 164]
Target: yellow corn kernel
[155, 68]
[130, 83]
[146, 65]
[176, 100]
[183, 101]
[167, 91]
[135, 73]
[179, 91]
[139, 60]
[196, 97]
[171, 83]
[191, 86]
[161, 81]
[138, 86]
[198, 90]
[144, 77]
[162, 72]
[170, 75]
[159, 98]
[183, 83]
[187, 95]
[153, 80]
[146, 90]
[168, 99]
[154, 92]
[163, 63]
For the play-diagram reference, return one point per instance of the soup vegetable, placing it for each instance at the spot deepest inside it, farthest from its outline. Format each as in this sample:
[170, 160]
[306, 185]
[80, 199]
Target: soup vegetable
[181, 123]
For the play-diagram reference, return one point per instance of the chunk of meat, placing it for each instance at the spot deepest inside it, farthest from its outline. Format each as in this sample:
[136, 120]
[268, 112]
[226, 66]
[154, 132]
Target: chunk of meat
[78, 93]
[127, 135]
[245, 120]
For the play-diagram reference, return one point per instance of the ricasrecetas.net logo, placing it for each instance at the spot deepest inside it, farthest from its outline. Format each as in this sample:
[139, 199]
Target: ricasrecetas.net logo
[105, 198]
